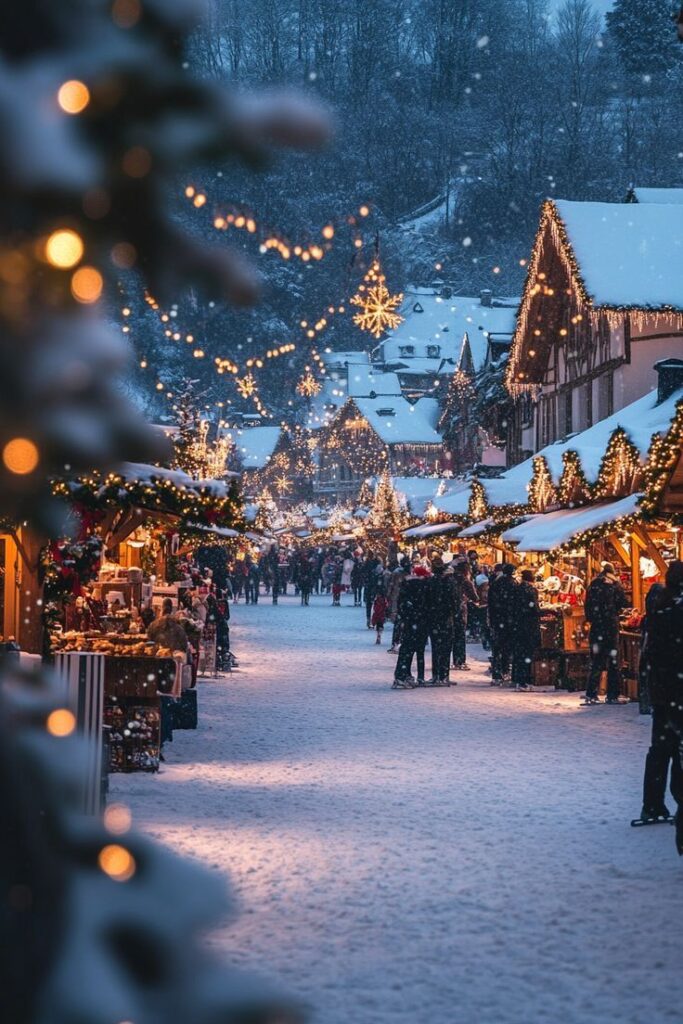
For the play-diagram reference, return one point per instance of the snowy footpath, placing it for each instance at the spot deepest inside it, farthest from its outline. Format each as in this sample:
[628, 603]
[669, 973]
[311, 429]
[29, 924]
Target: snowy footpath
[438, 856]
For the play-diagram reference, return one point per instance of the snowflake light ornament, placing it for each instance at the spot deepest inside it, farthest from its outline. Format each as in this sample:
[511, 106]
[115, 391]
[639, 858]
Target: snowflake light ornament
[282, 485]
[246, 385]
[379, 307]
[308, 386]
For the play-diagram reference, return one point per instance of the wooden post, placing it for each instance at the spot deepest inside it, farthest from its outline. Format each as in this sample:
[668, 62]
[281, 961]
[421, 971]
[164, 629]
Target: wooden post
[636, 582]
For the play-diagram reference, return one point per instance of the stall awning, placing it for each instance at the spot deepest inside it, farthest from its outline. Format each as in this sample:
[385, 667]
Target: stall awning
[551, 530]
[420, 532]
[476, 529]
[216, 531]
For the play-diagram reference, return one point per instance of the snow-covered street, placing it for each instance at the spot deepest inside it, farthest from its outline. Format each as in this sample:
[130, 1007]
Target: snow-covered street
[460, 856]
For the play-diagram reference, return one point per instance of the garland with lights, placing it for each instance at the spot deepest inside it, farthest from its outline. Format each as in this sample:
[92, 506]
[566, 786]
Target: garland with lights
[352, 436]
[663, 458]
[386, 515]
[620, 468]
[542, 493]
[574, 488]
[199, 503]
[478, 506]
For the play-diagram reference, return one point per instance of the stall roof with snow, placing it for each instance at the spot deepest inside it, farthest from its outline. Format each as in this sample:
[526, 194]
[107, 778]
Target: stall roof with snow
[396, 421]
[553, 529]
[256, 445]
[661, 196]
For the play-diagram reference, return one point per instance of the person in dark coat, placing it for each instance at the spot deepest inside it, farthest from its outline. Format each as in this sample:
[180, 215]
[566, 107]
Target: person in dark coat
[501, 599]
[605, 599]
[526, 631]
[465, 595]
[414, 613]
[442, 610]
[370, 582]
[305, 573]
[253, 581]
[663, 657]
[357, 577]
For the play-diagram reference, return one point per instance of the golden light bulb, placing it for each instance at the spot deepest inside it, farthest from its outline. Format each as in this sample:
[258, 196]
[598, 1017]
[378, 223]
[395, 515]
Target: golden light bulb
[87, 284]
[73, 96]
[61, 722]
[64, 248]
[20, 456]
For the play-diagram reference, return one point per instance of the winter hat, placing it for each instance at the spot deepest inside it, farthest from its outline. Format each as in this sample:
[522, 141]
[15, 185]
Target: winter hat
[528, 575]
[481, 579]
[421, 571]
[608, 568]
[437, 564]
[508, 569]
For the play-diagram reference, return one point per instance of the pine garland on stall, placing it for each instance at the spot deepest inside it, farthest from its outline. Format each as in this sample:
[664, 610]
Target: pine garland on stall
[574, 488]
[620, 469]
[478, 506]
[542, 493]
[386, 513]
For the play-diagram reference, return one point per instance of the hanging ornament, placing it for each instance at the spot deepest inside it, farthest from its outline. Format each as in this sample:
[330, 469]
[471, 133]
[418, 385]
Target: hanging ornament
[379, 307]
[308, 386]
[246, 385]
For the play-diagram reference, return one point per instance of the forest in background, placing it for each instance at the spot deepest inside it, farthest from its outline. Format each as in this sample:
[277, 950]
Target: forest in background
[493, 104]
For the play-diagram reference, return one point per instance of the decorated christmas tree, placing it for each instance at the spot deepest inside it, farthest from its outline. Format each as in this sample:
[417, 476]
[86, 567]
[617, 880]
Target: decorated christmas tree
[387, 515]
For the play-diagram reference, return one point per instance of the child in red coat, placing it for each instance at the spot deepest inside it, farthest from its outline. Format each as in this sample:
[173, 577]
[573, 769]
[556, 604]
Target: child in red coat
[379, 614]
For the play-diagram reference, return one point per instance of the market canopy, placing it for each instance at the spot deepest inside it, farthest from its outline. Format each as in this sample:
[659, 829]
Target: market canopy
[553, 529]
[420, 532]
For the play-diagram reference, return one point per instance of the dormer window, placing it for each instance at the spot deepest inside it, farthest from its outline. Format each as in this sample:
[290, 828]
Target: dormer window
[386, 412]
[405, 351]
[418, 308]
[433, 351]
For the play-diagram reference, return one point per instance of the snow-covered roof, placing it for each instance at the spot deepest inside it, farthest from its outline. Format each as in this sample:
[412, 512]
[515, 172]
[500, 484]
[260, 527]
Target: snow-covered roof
[256, 445]
[340, 359]
[396, 421]
[551, 530]
[435, 530]
[430, 408]
[418, 491]
[363, 382]
[141, 472]
[438, 322]
[628, 254]
[641, 420]
[658, 195]
[455, 501]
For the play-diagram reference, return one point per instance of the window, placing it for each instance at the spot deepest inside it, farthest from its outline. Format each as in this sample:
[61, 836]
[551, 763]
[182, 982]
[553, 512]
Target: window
[406, 350]
[568, 412]
[433, 351]
[589, 404]
[606, 395]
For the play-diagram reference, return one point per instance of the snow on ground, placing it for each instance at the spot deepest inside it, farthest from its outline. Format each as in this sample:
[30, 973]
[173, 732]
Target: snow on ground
[453, 855]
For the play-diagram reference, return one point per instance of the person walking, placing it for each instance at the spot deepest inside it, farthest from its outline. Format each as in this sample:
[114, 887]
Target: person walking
[357, 580]
[501, 598]
[379, 608]
[370, 582]
[394, 587]
[605, 599]
[526, 631]
[465, 595]
[253, 582]
[481, 584]
[347, 569]
[305, 573]
[414, 615]
[662, 656]
[274, 571]
[441, 609]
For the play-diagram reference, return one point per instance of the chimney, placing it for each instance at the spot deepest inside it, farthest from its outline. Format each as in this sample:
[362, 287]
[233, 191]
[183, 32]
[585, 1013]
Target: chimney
[670, 374]
[486, 297]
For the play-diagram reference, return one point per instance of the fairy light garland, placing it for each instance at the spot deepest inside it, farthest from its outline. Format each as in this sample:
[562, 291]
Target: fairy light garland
[270, 241]
[574, 488]
[620, 468]
[478, 506]
[663, 458]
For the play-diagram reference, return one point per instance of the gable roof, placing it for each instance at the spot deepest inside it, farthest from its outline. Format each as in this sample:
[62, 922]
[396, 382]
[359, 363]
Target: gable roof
[617, 256]
[432, 320]
[396, 421]
[256, 445]
[364, 382]
[627, 255]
